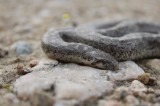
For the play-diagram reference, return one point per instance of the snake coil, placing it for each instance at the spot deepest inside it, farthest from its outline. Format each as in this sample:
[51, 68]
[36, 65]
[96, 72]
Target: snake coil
[103, 45]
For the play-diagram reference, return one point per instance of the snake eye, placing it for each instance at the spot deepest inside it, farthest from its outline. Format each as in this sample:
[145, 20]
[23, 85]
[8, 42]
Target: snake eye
[112, 66]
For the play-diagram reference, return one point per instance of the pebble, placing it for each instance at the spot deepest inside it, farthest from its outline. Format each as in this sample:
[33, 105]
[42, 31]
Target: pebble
[144, 78]
[21, 70]
[137, 86]
[45, 63]
[109, 103]
[147, 79]
[150, 97]
[150, 90]
[152, 81]
[11, 97]
[157, 100]
[120, 93]
[128, 70]
[3, 52]
[11, 101]
[39, 96]
[33, 63]
[22, 47]
[1, 26]
[153, 64]
[158, 83]
[156, 104]
[131, 100]
[23, 29]
[140, 95]
[6, 76]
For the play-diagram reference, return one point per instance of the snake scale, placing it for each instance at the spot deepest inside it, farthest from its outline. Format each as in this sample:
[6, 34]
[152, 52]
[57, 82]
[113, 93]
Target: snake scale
[104, 45]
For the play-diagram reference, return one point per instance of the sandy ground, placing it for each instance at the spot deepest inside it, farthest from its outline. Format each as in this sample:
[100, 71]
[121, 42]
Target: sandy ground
[29, 19]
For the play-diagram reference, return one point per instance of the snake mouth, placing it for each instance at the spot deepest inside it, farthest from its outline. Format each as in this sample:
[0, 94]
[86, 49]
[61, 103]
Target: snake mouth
[106, 64]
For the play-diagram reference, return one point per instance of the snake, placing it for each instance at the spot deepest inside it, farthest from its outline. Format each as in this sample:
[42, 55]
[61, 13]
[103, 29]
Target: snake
[104, 45]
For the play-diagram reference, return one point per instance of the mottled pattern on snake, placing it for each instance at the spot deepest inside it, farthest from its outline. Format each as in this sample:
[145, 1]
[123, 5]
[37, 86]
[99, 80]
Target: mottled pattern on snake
[103, 45]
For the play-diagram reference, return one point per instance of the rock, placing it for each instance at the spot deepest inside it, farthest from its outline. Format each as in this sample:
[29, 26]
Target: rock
[33, 63]
[39, 96]
[151, 98]
[120, 93]
[5, 101]
[109, 103]
[153, 64]
[144, 78]
[157, 100]
[69, 103]
[22, 47]
[67, 81]
[152, 81]
[1, 26]
[36, 21]
[150, 90]
[21, 70]
[132, 101]
[147, 79]
[156, 104]
[6, 76]
[71, 81]
[128, 70]
[11, 97]
[137, 86]
[158, 83]
[3, 52]
[23, 29]
[140, 95]
[45, 64]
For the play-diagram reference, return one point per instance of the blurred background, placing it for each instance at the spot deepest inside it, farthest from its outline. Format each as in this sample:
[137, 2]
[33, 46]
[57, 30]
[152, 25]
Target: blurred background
[29, 19]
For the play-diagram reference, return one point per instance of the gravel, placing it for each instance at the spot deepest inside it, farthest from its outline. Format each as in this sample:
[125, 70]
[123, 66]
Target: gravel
[22, 47]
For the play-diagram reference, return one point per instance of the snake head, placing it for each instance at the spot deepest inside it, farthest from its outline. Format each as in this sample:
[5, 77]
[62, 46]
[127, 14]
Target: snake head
[103, 60]
[107, 63]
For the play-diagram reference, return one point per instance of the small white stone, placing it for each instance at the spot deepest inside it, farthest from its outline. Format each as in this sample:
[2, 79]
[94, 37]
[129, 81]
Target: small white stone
[128, 70]
[137, 86]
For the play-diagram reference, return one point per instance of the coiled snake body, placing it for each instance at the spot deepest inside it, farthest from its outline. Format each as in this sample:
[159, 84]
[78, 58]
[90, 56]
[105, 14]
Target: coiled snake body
[103, 45]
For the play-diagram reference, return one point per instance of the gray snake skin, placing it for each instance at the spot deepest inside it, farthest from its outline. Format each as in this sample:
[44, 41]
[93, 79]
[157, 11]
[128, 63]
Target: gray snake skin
[103, 45]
